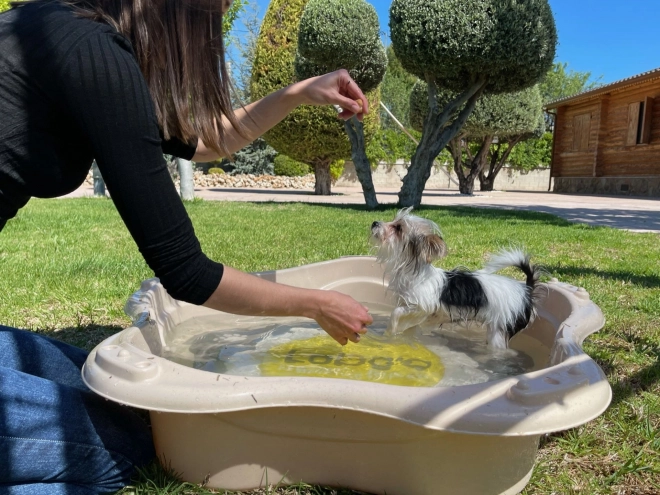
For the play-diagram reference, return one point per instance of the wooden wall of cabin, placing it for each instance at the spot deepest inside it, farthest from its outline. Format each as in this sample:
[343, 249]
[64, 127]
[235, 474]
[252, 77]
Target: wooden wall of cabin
[576, 129]
[621, 157]
[605, 149]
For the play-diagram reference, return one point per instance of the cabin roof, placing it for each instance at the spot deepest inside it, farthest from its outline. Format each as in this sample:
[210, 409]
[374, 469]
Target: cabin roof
[622, 83]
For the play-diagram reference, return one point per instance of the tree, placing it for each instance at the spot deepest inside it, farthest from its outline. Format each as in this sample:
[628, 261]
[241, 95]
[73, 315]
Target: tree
[498, 123]
[4, 5]
[309, 134]
[532, 153]
[470, 47]
[499, 154]
[242, 51]
[229, 19]
[345, 34]
[395, 92]
[559, 82]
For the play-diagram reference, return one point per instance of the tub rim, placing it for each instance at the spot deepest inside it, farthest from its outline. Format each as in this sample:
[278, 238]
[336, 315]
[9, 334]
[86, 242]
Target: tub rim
[569, 392]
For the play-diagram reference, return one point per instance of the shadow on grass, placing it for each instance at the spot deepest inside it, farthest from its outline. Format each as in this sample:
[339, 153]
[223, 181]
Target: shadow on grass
[467, 211]
[157, 479]
[643, 379]
[84, 336]
[646, 281]
[616, 217]
[270, 192]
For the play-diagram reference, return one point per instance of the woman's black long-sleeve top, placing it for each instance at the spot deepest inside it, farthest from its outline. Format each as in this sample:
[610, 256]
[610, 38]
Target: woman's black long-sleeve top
[71, 91]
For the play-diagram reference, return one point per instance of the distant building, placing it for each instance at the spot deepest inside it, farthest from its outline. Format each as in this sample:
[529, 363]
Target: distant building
[607, 140]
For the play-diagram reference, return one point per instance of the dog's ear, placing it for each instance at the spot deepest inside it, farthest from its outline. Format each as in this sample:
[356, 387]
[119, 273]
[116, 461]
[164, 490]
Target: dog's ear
[435, 248]
[403, 212]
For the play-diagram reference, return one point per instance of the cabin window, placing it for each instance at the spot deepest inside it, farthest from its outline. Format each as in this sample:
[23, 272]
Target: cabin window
[640, 114]
[581, 128]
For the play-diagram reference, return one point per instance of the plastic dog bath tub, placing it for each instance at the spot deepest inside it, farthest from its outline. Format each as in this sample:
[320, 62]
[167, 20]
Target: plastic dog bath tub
[238, 433]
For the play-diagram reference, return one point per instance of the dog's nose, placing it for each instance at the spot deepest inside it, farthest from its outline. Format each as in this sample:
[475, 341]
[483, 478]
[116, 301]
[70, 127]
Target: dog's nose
[375, 225]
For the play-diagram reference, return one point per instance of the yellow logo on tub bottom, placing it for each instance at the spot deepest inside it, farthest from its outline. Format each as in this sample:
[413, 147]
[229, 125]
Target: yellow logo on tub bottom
[395, 363]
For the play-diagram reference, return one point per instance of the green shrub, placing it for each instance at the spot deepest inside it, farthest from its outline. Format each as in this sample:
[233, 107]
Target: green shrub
[532, 154]
[216, 171]
[289, 167]
[4, 5]
[395, 90]
[418, 106]
[509, 44]
[505, 114]
[256, 158]
[389, 146]
[308, 134]
[337, 168]
[342, 34]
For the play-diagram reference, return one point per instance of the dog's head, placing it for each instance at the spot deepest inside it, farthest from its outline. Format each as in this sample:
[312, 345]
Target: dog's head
[408, 241]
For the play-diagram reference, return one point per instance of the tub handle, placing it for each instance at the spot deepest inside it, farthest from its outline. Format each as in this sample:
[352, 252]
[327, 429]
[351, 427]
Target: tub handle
[126, 362]
[540, 391]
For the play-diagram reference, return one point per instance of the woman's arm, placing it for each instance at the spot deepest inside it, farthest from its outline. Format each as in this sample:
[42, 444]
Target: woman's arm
[339, 315]
[108, 99]
[336, 88]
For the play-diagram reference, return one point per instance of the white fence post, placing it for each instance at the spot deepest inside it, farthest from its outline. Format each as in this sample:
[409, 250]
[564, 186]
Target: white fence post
[187, 186]
[99, 184]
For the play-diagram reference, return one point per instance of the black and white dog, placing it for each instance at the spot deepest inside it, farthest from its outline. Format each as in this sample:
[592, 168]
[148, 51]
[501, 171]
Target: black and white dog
[409, 244]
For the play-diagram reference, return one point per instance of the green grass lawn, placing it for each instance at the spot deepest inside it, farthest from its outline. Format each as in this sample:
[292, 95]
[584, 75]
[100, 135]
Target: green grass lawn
[68, 266]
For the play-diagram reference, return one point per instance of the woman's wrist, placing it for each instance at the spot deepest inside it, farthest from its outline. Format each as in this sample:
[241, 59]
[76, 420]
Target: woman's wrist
[295, 95]
[310, 303]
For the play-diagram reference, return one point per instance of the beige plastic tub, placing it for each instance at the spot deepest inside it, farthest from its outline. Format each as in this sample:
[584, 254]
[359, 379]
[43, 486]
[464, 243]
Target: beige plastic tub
[240, 433]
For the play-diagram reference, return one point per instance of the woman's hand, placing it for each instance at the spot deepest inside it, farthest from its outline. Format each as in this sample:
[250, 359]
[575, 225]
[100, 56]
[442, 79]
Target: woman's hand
[342, 317]
[335, 88]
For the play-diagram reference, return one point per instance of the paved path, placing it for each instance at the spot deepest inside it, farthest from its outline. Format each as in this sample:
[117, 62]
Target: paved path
[630, 213]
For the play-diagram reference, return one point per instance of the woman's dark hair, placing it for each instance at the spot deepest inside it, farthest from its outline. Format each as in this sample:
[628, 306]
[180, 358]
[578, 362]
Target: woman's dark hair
[180, 49]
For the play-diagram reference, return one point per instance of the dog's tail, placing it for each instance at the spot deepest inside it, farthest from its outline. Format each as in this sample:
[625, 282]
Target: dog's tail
[519, 259]
[515, 258]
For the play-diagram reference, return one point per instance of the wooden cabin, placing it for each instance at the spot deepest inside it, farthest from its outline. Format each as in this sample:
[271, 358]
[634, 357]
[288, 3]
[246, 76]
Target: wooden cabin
[607, 140]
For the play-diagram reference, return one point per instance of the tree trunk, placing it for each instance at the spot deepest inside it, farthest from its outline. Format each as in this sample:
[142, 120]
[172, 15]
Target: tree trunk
[496, 164]
[435, 136]
[323, 178]
[486, 182]
[473, 166]
[466, 185]
[355, 131]
[419, 172]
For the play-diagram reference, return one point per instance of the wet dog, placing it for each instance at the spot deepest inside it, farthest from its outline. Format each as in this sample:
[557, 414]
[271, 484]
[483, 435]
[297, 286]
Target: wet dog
[408, 245]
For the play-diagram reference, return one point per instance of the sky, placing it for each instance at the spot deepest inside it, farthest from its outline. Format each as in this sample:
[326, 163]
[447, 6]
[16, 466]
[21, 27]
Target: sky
[612, 39]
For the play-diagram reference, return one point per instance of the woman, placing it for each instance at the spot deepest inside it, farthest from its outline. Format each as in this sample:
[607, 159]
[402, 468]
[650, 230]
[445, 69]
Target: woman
[122, 82]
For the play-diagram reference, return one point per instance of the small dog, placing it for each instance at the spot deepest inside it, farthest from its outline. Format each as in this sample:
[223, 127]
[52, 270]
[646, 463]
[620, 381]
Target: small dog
[409, 244]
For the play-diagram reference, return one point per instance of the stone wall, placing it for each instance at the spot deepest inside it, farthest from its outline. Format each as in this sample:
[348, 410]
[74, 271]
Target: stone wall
[626, 186]
[390, 176]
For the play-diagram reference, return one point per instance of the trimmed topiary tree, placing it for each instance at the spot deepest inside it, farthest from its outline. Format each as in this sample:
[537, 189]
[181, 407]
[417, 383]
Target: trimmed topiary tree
[345, 34]
[509, 117]
[395, 92]
[499, 153]
[309, 134]
[470, 47]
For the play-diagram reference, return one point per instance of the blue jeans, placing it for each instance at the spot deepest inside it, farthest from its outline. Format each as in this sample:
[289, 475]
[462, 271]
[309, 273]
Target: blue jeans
[56, 436]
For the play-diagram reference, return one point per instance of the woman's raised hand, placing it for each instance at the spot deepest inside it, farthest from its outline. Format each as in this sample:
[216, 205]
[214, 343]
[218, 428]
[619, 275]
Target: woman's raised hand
[335, 88]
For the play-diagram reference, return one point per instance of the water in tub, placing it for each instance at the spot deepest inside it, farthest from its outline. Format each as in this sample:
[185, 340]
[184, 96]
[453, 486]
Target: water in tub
[434, 353]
